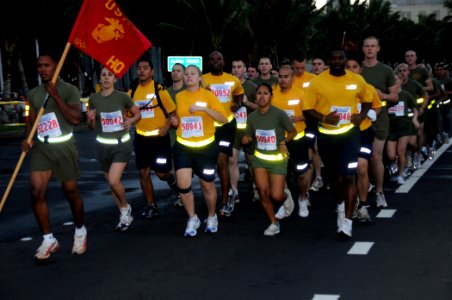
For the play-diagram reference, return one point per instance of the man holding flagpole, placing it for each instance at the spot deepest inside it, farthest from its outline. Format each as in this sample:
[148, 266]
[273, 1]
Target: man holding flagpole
[54, 153]
[102, 31]
[106, 34]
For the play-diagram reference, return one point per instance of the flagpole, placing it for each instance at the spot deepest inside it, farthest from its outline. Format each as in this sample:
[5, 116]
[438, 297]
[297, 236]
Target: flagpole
[35, 125]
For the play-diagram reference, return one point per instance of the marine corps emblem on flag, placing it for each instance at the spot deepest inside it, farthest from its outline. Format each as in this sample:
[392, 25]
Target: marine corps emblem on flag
[104, 32]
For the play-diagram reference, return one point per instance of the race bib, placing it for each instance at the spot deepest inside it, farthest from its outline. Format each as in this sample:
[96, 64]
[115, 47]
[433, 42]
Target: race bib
[145, 107]
[240, 116]
[266, 139]
[111, 121]
[222, 92]
[344, 112]
[49, 126]
[192, 127]
[398, 109]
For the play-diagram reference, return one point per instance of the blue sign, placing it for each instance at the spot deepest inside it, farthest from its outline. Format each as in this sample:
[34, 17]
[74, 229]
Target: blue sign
[185, 60]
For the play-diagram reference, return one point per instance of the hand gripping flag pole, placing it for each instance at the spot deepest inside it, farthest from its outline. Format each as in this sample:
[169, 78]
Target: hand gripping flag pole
[103, 32]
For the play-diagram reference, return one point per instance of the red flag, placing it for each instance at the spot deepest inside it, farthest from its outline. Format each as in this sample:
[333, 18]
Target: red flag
[103, 32]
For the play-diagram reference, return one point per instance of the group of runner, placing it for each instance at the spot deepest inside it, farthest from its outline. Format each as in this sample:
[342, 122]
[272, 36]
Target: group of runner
[343, 116]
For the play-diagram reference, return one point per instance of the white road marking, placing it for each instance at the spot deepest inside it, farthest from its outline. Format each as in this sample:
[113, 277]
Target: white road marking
[360, 248]
[325, 297]
[411, 181]
[386, 213]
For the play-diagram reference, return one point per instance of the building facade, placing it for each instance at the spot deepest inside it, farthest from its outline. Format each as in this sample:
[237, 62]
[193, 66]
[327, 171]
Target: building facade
[412, 9]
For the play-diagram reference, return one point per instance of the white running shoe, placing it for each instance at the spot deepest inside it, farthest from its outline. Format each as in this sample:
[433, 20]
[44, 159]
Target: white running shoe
[317, 184]
[303, 210]
[272, 230]
[47, 248]
[79, 246]
[381, 200]
[125, 219]
[340, 215]
[211, 224]
[288, 204]
[346, 228]
[287, 208]
[192, 226]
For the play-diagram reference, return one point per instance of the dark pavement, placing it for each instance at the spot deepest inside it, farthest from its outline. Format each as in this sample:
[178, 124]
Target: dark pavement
[410, 242]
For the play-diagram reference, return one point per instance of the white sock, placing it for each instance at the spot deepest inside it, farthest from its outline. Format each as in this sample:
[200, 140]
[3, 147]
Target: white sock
[341, 207]
[49, 237]
[80, 231]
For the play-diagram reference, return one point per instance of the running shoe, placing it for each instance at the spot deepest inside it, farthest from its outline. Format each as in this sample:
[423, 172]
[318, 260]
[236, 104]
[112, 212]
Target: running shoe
[317, 184]
[178, 202]
[303, 210]
[393, 169]
[125, 219]
[340, 215]
[79, 246]
[381, 200]
[345, 230]
[362, 214]
[272, 230]
[225, 210]
[211, 224]
[192, 226]
[150, 211]
[47, 248]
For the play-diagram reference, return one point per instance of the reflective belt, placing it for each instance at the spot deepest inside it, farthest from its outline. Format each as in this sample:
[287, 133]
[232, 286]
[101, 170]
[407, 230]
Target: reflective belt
[336, 131]
[410, 114]
[241, 125]
[230, 118]
[55, 140]
[197, 143]
[419, 100]
[148, 133]
[270, 157]
[431, 104]
[113, 141]
[383, 103]
[299, 136]
[445, 102]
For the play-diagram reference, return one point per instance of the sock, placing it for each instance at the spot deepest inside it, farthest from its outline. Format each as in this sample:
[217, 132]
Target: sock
[49, 237]
[80, 231]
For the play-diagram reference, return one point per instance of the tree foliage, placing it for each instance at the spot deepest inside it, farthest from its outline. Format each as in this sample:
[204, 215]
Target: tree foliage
[238, 28]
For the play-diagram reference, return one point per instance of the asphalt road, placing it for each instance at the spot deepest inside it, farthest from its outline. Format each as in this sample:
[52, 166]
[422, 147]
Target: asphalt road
[404, 253]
